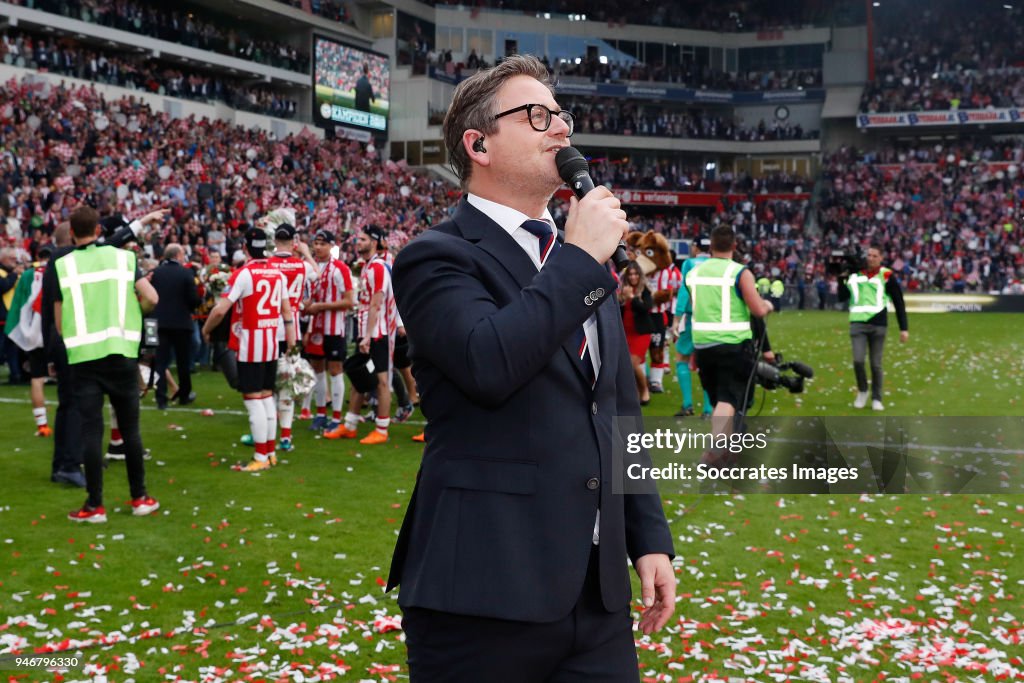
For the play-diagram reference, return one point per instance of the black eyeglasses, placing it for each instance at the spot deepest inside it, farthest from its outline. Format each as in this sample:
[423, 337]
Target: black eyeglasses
[540, 117]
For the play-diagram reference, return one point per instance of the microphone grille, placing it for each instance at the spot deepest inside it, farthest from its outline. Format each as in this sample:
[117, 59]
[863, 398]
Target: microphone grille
[570, 163]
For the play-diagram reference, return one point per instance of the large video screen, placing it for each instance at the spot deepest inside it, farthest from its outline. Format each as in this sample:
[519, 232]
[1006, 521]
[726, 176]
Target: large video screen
[351, 86]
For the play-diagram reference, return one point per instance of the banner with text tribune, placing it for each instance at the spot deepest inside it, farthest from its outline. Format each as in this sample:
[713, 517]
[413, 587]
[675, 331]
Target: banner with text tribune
[955, 117]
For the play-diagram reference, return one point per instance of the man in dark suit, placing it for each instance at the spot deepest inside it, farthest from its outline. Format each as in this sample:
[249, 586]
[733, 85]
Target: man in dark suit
[175, 283]
[364, 90]
[512, 555]
[67, 448]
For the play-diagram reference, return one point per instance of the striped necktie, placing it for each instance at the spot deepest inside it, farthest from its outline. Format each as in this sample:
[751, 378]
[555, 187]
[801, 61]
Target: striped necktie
[549, 245]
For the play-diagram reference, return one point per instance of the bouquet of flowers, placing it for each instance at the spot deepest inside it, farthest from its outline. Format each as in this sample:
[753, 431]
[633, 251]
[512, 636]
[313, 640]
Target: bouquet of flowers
[295, 374]
[217, 281]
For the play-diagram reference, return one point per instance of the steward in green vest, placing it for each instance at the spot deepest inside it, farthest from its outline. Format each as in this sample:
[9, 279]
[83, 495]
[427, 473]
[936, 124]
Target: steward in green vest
[723, 297]
[98, 313]
[764, 286]
[869, 292]
[775, 292]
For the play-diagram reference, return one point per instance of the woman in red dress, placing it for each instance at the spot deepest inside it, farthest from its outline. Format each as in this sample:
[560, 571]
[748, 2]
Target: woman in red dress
[636, 302]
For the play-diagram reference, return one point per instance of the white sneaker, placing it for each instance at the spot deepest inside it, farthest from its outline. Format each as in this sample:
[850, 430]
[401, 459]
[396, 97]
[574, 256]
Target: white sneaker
[877, 405]
[861, 400]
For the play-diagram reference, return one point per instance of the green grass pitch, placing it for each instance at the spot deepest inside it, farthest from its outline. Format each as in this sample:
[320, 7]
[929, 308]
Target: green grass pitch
[243, 577]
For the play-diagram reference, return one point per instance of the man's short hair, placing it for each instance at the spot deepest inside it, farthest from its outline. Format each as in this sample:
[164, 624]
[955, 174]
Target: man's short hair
[172, 252]
[723, 239]
[83, 221]
[876, 246]
[473, 106]
[62, 234]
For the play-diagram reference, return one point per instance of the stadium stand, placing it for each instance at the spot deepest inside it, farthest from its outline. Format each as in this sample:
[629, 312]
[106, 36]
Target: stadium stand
[193, 26]
[623, 117]
[691, 75]
[753, 15]
[137, 72]
[946, 56]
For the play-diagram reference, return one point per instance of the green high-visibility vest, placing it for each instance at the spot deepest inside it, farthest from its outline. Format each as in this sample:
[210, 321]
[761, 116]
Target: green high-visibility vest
[867, 295]
[720, 316]
[763, 285]
[100, 314]
[778, 288]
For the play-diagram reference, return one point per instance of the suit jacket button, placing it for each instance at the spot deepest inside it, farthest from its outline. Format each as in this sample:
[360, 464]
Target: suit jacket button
[588, 301]
[600, 292]
[593, 407]
[593, 483]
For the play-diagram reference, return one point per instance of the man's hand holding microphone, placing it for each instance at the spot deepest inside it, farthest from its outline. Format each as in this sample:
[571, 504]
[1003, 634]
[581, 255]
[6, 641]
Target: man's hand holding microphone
[596, 222]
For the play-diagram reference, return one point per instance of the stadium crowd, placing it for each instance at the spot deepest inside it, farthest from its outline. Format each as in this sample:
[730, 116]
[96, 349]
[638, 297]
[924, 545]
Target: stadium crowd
[947, 217]
[186, 26]
[213, 176]
[948, 55]
[625, 117]
[137, 72]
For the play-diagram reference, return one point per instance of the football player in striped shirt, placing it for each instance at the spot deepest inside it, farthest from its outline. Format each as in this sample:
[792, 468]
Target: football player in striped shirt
[331, 296]
[258, 293]
[378, 326]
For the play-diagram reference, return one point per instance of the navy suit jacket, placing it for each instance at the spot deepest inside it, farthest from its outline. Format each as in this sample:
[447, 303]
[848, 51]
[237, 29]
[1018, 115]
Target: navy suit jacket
[518, 455]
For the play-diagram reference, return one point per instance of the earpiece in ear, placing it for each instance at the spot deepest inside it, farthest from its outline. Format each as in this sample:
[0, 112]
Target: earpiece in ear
[478, 145]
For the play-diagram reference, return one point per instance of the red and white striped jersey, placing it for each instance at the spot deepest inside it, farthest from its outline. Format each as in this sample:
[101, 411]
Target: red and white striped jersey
[297, 274]
[233, 313]
[330, 285]
[663, 280]
[257, 293]
[376, 277]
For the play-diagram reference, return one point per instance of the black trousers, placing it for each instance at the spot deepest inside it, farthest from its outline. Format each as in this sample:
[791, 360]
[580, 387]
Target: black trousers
[587, 645]
[227, 360]
[179, 341]
[117, 377]
[67, 446]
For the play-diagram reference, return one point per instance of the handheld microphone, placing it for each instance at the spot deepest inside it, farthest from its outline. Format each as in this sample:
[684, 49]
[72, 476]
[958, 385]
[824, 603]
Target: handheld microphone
[575, 171]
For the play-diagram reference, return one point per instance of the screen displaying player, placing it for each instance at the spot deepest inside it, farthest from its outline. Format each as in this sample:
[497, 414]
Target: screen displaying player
[351, 86]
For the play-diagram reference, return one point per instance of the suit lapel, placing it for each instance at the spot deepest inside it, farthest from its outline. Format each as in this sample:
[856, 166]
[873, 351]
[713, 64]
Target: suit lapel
[478, 228]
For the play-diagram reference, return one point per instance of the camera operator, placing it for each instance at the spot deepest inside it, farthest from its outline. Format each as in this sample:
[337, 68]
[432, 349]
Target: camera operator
[869, 292]
[724, 296]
